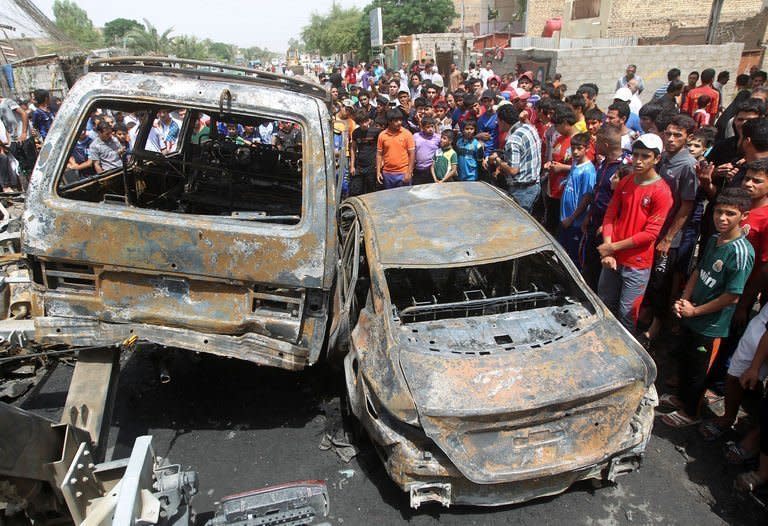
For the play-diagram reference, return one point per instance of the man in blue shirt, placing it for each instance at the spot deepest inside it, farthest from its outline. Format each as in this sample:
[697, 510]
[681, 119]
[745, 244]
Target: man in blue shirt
[378, 70]
[488, 123]
[42, 117]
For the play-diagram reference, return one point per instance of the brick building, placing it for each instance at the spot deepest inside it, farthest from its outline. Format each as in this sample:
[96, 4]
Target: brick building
[655, 20]
[649, 19]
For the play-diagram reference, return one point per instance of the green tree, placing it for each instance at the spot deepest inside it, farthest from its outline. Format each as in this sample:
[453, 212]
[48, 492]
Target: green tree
[74, 22]
[116, 29]
[334, 32]
[406, 17]
[222, 51]
[256, 52]
[188, 46]
[148, 40]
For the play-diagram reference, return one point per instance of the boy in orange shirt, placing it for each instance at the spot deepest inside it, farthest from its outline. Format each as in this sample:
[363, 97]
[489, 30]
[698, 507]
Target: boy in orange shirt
[395, 153]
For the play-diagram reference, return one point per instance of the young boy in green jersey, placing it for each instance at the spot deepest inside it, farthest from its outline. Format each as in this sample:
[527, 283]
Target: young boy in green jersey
[708, 302]
[445, 165]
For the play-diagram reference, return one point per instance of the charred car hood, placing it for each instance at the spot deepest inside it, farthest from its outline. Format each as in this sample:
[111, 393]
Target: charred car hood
[504, 412]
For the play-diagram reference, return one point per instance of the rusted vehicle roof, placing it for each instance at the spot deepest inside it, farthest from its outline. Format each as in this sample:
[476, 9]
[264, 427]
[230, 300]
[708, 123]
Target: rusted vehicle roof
[408, 233]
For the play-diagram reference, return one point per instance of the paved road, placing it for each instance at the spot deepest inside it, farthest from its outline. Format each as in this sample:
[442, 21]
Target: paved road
[243, 427]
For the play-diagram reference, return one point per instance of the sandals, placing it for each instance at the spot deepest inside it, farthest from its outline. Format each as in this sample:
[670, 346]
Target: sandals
[737, 455]
[749, 482]
[678, 420]
[710, 431]
[670, 400]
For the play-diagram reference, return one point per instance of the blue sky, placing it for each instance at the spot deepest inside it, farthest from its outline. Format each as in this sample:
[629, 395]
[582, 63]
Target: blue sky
[264, 23]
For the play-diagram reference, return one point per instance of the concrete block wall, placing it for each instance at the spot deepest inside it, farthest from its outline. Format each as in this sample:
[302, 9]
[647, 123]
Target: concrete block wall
[604, 66]
[651, 18]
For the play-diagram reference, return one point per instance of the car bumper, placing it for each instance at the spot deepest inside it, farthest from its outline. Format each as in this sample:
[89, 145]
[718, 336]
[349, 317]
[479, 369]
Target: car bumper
[425, 472]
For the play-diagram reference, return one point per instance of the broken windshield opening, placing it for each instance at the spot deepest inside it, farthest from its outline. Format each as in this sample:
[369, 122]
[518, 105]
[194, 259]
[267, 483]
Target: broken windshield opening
[187, 161]
[529, 282]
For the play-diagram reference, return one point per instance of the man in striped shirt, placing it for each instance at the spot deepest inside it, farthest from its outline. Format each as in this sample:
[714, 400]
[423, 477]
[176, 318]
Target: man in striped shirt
[521, 162]
[672, 75]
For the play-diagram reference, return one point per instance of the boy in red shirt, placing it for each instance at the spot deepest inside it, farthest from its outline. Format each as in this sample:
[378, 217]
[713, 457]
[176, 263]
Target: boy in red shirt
[558, 165]
[632, 223]
[690, 104]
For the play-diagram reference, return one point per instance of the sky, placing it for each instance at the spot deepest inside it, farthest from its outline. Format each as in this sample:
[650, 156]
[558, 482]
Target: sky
[263, 23]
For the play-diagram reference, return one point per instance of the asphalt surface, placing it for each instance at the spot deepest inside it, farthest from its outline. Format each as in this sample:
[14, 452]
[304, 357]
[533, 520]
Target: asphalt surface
[242, 427]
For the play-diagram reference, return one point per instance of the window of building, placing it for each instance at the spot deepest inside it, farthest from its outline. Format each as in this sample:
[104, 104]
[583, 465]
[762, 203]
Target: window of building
[585, 9]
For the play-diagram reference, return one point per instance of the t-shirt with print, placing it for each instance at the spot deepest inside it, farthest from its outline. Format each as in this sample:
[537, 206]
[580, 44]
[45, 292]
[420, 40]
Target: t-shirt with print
[580, 181]
[365, 155]
[394, 148]
[444, 160]
[679, 172]
[755, 227]
[722, 269]
[637, 211]
[469, 154]
[561, 153]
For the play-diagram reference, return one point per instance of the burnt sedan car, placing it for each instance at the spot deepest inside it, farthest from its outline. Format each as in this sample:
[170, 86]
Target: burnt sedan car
[476, 358]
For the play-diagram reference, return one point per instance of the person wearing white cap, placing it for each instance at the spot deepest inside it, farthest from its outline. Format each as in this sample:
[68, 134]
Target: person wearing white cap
[625, 95]
[633, 220]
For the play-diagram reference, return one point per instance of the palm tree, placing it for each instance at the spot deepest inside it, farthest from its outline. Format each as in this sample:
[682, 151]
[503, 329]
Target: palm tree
[148, 41]
[188, 46]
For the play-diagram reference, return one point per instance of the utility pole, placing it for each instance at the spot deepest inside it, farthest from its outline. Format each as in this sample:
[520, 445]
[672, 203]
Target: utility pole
[714, 20]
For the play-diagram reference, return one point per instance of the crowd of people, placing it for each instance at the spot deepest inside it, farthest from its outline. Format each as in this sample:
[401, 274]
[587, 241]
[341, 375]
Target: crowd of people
[662, 205]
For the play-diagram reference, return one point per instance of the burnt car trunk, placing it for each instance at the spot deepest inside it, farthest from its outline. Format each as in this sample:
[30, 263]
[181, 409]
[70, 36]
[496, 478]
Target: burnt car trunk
[504, 412]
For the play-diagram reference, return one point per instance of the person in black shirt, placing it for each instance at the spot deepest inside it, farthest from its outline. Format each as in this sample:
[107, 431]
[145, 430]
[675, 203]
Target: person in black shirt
[382, 105]
[364, 103]
[335, 79]
[363, 155]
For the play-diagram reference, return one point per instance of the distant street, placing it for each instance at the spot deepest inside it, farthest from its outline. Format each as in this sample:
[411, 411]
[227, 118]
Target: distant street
[243, 427]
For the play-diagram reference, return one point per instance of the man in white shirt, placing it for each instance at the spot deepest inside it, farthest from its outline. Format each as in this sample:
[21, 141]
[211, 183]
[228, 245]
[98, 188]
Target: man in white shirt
[267, 132]
[486, 73]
